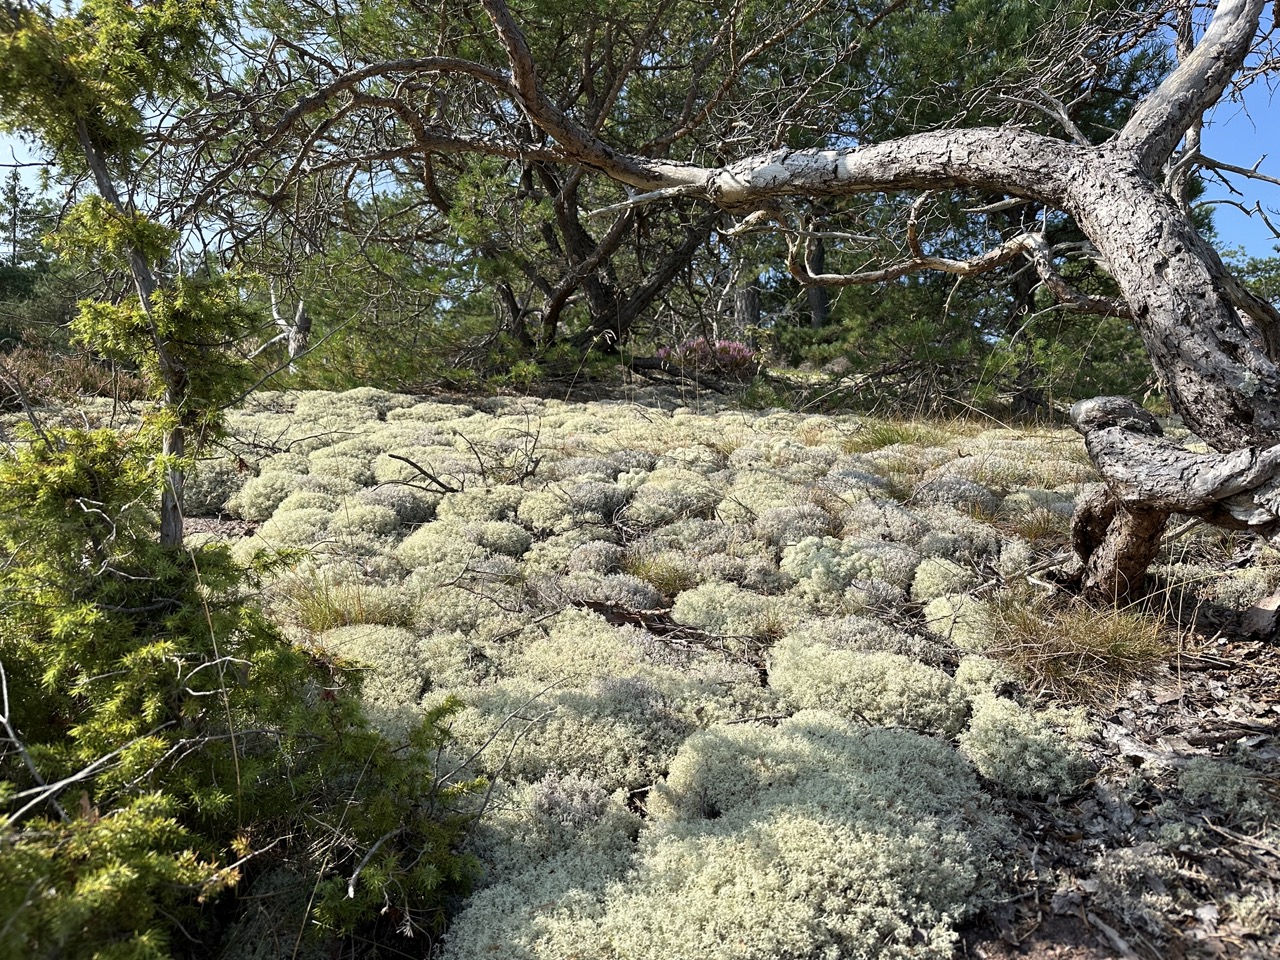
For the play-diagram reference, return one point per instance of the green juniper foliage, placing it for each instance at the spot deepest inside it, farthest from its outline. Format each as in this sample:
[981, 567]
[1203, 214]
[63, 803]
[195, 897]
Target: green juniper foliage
[163, 743]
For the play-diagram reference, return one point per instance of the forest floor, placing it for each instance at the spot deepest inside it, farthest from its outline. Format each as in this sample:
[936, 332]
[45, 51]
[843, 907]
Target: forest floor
[654, 547]
[1220, 698]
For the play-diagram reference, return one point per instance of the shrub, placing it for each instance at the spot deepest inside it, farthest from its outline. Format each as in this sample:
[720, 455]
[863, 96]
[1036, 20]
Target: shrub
[170, 735]
[726, 358]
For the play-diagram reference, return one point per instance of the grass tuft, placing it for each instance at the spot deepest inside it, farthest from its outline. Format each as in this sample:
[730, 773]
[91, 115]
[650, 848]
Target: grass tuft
[1075, 651]
[318, 602]
[663, 573]
[878, 434]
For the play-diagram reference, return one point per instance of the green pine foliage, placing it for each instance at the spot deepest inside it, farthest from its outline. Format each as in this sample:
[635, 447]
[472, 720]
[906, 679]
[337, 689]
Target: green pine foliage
[164, 744]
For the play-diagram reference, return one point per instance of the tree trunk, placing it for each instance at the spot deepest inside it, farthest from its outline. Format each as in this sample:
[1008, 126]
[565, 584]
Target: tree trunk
[173, 376]
[1214, 347]
[819, 297]
[746, 307]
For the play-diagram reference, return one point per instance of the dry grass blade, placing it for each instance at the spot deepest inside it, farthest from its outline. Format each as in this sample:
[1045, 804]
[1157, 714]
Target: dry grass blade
[1075, 651]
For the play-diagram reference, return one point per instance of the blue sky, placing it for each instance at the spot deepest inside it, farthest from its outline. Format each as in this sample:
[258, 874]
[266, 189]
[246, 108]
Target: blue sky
[1239, 133]
[1242, 134]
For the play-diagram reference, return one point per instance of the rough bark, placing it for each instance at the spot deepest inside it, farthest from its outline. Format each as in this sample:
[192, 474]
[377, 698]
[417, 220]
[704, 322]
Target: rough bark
[746, 307]
[1116, 531]
[819, 297]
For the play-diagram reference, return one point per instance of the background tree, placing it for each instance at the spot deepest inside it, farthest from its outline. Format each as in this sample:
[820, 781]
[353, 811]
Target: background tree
[81, 84]
[1212, 343]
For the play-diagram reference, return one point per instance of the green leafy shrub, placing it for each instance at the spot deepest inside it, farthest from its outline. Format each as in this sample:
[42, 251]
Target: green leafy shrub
[165, 744]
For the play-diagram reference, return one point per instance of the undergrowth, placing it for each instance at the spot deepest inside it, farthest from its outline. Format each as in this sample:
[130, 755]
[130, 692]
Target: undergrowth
[1072, 650]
